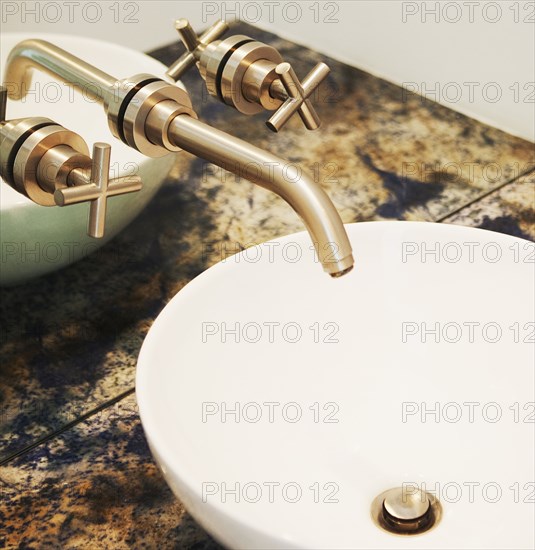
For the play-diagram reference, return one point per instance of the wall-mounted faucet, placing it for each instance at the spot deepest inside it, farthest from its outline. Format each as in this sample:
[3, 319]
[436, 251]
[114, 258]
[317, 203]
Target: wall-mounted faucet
[51, 166]
[156, 117]
[248, 75]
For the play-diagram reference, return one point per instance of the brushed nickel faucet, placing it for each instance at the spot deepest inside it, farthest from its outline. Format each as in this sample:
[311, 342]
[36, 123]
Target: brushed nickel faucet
[248, 75]
[51, 166]
[156, 117]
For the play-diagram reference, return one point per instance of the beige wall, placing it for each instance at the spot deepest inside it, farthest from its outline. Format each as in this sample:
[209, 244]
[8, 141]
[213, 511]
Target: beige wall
[475, 56]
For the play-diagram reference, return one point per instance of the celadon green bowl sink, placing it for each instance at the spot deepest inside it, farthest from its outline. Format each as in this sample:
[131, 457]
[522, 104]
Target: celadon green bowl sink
[36, 239]
[280, 404]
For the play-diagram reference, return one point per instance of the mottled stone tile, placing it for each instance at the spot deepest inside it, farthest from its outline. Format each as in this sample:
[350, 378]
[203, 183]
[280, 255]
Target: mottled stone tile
[509, 210]
[70, 339]
[94, 486]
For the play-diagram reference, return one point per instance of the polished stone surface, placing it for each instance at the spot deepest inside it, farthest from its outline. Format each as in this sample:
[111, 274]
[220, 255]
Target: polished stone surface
[94, 486]
[510, 210]
[76, 469]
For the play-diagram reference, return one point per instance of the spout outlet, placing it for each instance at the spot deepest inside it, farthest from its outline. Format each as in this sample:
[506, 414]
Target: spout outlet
[306, 197]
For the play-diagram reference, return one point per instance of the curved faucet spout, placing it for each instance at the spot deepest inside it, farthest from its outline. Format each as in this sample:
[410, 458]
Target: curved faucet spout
[40, 54]
[307, 198]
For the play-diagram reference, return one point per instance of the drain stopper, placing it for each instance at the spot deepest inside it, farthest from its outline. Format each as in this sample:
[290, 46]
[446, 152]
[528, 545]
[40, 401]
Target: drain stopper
[404, 506]
[406, 511]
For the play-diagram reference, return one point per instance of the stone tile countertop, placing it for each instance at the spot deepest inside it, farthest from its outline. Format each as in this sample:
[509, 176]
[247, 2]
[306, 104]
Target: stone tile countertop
[75, 467]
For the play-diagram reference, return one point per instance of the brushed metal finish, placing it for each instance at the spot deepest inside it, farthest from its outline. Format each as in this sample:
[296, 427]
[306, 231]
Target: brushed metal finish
[195, 45]
[406, 505]
[140, 106]
[99, 177]
[39, 54]
[406, 511]
[258, 83]
[187, 34]
[97, 189]
[298, 94]
[56, 165]
[213, 57]
[307, 198]
[121, 90]
[157, 120]
[51, 166]
[28, 157]
[232, 77]
[10, 133]
[250, 76]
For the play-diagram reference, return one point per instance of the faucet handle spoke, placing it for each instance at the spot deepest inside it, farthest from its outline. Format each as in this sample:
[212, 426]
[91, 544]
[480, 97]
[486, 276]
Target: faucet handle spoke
[298, 94]
[194, 44]
[97, 191]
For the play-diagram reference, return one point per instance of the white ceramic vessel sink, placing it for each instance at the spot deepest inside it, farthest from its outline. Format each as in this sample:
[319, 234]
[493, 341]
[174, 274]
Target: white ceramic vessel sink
[335, 392]
[37, 239]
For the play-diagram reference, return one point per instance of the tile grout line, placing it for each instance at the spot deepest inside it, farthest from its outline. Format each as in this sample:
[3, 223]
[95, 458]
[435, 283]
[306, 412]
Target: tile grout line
[481, 197]
[462, 207]
[67, 426]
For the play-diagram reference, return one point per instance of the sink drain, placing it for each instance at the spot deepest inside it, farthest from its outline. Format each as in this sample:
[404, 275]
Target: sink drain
[406, 511]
